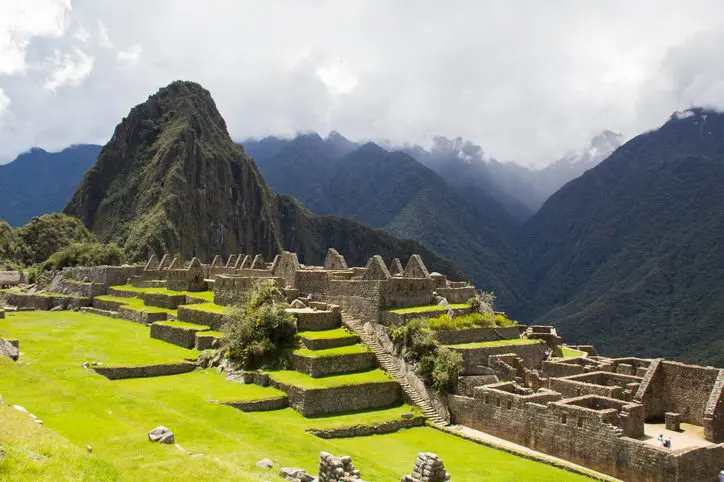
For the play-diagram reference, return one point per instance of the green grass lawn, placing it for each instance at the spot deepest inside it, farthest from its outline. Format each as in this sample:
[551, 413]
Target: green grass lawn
[426, 308]
[204, 295]
[115, 416]
[342, 350]
[326, 334]
[208, 307]
[566, 352]
[297, 379]
[488, 344]
[137, 304]
[183, 325]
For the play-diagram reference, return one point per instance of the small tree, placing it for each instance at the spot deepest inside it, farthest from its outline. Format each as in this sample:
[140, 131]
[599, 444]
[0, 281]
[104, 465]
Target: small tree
[259, 329]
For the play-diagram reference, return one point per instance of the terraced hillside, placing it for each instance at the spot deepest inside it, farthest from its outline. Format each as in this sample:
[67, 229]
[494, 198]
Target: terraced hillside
[219, 442]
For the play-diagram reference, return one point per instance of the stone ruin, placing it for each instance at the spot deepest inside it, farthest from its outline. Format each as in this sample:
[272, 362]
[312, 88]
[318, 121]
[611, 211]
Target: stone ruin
[428, 468]
[337, 469]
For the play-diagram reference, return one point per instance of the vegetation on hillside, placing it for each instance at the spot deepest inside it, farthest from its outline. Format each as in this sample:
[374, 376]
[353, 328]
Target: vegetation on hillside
[628, 256]
[259, 329]
[437, 365]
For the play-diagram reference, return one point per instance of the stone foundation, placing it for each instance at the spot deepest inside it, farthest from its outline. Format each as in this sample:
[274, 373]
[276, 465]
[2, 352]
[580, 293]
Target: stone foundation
[332, 365]
[176, 335]
[144, 371]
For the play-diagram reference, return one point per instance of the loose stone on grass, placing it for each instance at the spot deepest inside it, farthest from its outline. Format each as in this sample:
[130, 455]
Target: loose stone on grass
[295, 475]
[162, 435]
[265, 464]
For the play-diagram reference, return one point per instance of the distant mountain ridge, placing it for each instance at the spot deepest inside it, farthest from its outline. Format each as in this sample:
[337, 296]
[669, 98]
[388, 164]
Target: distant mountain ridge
[172, 180]
[39, 182]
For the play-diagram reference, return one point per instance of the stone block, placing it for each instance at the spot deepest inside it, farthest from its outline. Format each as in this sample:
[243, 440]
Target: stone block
[673, 421]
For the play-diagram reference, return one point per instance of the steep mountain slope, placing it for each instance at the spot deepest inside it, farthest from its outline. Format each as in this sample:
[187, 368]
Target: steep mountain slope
[629, 254]
[39, 182]
[393, 191]
[172, 180]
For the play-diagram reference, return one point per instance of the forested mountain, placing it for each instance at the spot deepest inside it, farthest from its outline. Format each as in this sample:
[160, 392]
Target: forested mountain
[391, 190]
[172, 180]
[39, 182]
[629, 254]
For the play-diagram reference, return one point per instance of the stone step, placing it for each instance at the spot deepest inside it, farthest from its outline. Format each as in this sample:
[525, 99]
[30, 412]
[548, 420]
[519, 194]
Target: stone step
[321, 340]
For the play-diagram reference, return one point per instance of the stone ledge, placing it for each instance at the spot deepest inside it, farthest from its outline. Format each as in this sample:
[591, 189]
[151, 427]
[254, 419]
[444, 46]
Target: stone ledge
[323, 401]
[176, 335]
[333, 365]
[326, 343]
[473, 335]
[144, 371]
[364, 430]
[199, 317]
[44, 302]
[263, 405]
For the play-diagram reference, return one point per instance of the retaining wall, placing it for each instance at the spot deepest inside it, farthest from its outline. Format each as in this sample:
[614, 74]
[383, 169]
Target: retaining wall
[144, 371]
[332, 365]
[473, 358]
[199, 317]
[43, 302]
[183, 337]
[472, 335]
[364, 430]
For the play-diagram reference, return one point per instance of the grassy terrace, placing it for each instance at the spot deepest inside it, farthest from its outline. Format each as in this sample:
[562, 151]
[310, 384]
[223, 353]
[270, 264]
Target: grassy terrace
[208, 307]
[84, 408]
[571, 353]
[490, 344]
[183, 325]
[326, 334]
[301, 380]
[426, 309]
[137, 304]
[342, 350]
[44, 295]
[204, 295]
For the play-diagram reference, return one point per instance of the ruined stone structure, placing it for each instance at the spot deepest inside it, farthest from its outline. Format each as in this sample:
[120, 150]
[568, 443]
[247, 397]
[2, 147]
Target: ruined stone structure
[337, 469]
[428, 468]
[602, 413]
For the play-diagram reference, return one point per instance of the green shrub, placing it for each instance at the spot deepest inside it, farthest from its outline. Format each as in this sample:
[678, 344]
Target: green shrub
[437, 365]
[258, 331]
[44, 235]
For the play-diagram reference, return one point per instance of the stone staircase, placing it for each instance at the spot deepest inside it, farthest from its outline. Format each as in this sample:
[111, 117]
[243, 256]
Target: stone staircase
[386, 362]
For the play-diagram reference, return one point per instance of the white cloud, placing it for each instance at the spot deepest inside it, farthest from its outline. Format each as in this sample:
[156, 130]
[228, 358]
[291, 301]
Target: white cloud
[129, 57]
[527, 81]
[22, 20]
[103, 39]
[69, 69]
[82, 34]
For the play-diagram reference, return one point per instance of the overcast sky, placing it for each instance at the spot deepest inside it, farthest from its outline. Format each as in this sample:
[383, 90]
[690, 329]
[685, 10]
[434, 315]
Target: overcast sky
[526, 80]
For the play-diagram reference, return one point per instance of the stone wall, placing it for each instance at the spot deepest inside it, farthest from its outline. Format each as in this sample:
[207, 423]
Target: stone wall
[365, 396]
[473, 358]
[390, 318]
[229, 289]
[161, 300]
[584, 437]
[316, 320]
[331, 365]
[78, 288]
[42, 301]
[144, 371]
[404, 292]
[472, 335]
[714, 413]
[606, 384]
[677, 387]
[263, 405]
[359, 298]
[177, 335]
[389, 426]
[199, 317]
[105, 275]
[457, 295]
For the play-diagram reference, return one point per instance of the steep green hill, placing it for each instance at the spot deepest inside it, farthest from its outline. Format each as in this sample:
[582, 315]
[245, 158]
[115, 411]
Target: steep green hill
[172, 180]
[39, 182]
[629, 256]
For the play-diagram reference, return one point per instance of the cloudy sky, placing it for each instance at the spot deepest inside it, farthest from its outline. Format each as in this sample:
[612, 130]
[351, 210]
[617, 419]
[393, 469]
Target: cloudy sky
[526, 80]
